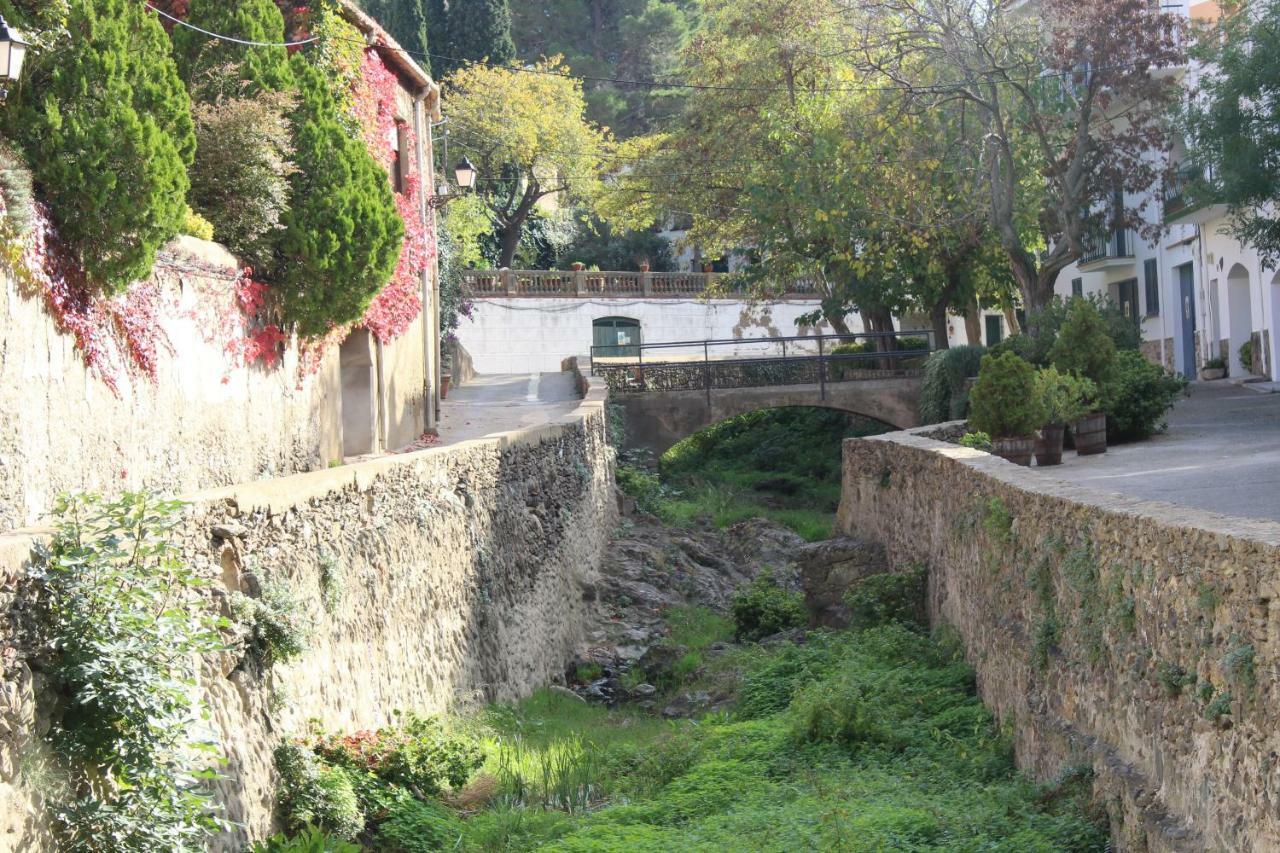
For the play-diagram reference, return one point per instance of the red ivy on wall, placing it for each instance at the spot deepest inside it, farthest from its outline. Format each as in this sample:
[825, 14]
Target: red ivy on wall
[400, 302]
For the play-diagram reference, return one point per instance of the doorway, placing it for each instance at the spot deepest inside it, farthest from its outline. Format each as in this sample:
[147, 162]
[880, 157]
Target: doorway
[359, 394]
[995, 329]
[616, 336]
[1239, 319]
[1187, 290]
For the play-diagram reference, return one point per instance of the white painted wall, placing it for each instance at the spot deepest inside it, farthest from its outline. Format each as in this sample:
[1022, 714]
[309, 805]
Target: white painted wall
[525, 335]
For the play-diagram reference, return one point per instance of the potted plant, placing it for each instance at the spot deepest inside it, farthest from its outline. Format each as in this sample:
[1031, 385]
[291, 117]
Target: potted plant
[1064, 398]
[1214, 368]
[577, 266]
[1004, 404]
[1084, 349]
[644, 265]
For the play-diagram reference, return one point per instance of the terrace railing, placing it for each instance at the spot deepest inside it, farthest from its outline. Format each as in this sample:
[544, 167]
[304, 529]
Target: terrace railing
[586, 283]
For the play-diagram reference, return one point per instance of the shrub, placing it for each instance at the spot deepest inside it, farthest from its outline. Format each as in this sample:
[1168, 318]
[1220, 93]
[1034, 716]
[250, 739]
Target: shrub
[195, 225]
[1083, 346]
[313, 794]
[976, 440]
[310, 840]
[124, 623]
[106, 121]
[1136, 396]
[343, 233]
[15, 194]
[414, 826]
[1064, 397]
[888, 597]
[240, 180]
[1036, 341]
[211, 65]
[642, 485]
[837, 710]
[942, 396]
[1246, 356]
[275, 626]
[1003, 400]
[1215, 364]
[765, 607]
[419, 755]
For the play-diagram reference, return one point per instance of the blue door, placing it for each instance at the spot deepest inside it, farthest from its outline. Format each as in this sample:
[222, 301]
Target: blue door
[1186, 283]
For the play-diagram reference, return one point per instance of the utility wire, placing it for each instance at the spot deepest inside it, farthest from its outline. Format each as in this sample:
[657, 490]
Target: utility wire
[232, 39]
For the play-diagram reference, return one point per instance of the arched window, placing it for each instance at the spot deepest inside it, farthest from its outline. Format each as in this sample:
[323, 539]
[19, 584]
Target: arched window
[616, 336]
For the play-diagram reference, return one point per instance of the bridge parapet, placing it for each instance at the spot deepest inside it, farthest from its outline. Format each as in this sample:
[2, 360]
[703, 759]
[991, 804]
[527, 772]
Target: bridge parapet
[480, 284]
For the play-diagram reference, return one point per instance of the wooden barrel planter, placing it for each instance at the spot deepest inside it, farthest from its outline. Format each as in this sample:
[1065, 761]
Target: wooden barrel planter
[1049, 445]
[1090, 434]
[1016, 450]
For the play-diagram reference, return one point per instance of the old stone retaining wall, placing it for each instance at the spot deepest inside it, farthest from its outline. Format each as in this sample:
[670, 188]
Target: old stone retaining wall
[1136, 637]
[466, 573]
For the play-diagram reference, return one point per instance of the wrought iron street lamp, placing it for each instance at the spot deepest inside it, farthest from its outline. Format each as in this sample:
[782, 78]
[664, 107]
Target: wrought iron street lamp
[466, 174]
[13, 52]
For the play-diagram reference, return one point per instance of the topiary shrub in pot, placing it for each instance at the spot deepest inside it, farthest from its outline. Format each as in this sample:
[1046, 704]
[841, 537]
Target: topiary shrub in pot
[1085, 349]
[1065, 398]
[1004, 404]
[1136, 397]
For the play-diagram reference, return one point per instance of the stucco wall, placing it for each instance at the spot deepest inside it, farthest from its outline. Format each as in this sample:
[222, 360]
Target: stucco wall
[466, 572]
[1079, 609]
[525, 335]
[204, 421]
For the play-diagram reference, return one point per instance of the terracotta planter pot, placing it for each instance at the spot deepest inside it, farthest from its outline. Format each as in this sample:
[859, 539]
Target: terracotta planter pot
[444, 387]
[1016, 450]
[1049, 445]
[1090, 434]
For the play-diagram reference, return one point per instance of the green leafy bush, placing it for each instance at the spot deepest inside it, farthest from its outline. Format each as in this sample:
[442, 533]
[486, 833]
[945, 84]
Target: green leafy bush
[419, 754]
[838, 711]
[18, 212]
[195, 225]
[888, 597]
[1246, 356]
[124, 623]
[1003, 400]
[342, 232]
[211, 65]
[415, 826]
[765, 607]
[275, 626]
[1215, 364]
[976, 440]
[642, 485]
[1036, 341]
[942, 396]
[311, 794]
[310, 840]
[1065, 397]
[1083, 346]
[107, 125]
[1136, 396]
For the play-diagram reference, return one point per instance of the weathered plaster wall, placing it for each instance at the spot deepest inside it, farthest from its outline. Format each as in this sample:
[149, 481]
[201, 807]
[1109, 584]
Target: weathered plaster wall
[205, 421]
[466, 569]
[1078, 613]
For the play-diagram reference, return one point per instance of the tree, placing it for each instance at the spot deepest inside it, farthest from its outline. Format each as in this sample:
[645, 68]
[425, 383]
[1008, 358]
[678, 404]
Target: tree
[1070, 110]
[211, 64]
[107, 123]
[529, 137]
[479, 31]
[343, 233]
[407, 22]
[1233, 133]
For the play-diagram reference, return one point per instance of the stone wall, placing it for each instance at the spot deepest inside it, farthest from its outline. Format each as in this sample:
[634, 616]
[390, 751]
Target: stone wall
[466, 569]
[205, 420]
[1134, 636]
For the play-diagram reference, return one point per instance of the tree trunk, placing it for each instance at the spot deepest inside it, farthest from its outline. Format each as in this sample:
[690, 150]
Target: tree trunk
[973, 323]
[938, 319]
[1011, 317]
[509, 238]
[837, 323]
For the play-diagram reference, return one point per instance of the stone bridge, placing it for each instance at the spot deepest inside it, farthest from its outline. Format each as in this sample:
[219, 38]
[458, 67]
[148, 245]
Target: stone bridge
[667, 393]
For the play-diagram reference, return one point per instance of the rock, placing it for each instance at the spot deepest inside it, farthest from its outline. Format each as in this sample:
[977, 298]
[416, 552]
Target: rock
[792, 635]
[566, 692]
[644, 691]
[687, 705]
[659, 660]
[829, 569]
[229, 530]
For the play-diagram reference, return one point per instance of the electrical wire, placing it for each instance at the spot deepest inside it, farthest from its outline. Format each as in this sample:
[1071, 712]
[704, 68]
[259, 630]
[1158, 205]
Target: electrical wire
[232, 39]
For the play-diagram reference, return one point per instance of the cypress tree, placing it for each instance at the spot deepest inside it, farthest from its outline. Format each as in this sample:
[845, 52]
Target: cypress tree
[480, 30]
[107, 123]
[343, 234]
[203, 60]
[406, 21]
[437, 20]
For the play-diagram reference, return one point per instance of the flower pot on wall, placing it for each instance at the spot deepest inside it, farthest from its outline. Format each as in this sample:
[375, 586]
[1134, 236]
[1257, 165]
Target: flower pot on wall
[1211, 373]
[1049, 445]
[1016, 450]
[1090, 434]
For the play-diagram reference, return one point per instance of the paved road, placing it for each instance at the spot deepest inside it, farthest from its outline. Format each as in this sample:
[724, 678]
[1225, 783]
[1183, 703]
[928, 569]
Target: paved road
[1221, 453]
[504, 402]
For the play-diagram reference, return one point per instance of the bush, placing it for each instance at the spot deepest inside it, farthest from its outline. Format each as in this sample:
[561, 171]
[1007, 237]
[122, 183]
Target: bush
[312, 794]
[1003, 400]
[888, 597]
[1246, 356]
[414, 826]
[642, 485]
[1042, 330]
[1083, 346]
[195, 225]
[839, 711]
[311, 840]
[976, 440]
[15, 194]
[943, 396]
[211, 65]
[1064, 397]
[342, 233]
[765, 608]
[275, 626]
[1136, 396]
[106, 122]
[419, 755]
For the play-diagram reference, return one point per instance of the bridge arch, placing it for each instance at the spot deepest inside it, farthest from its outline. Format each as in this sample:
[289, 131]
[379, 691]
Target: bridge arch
[657, 420]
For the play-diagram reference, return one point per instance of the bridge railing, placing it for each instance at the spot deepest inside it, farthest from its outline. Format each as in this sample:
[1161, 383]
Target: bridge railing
[759, 362]
[586, 283]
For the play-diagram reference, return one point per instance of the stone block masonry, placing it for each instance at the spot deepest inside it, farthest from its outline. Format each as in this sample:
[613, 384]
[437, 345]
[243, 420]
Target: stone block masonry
[465, 573]
[1135, 637]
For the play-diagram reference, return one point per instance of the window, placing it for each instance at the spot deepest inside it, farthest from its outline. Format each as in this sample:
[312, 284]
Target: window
[1127, 296]
[400, 145]
[1077, 287]
[616, 336]
[1151, 277]
[995, 329]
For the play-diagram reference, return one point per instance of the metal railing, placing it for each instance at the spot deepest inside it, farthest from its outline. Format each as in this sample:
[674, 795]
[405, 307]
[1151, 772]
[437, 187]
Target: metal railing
[1107, 244]
[761, 362]
[587, 283]
[1190, 189]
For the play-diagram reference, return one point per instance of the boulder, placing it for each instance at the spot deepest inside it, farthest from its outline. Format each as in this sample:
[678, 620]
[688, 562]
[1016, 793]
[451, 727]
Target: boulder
[829, 569]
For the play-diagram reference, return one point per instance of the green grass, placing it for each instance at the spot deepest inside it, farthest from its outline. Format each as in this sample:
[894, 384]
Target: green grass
[780, 464]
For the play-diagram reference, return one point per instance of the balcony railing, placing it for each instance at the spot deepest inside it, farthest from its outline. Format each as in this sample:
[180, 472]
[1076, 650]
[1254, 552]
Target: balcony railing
[1189, 190]
[1115, 244]
[588, 283]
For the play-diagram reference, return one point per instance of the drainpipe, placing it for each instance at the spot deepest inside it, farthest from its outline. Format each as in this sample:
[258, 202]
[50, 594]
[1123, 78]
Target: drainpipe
[1203, 285]
[430, 358]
